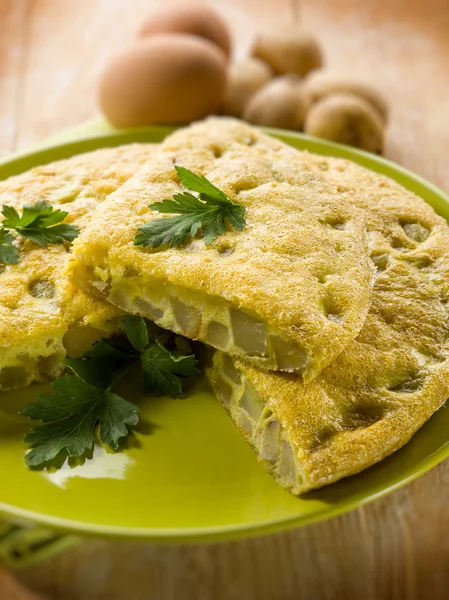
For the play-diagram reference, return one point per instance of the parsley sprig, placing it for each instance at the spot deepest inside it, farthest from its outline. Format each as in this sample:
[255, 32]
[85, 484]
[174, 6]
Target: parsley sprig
[8, 252]
[71, 414]
[209, 212]
[83, 406]
[39, 223]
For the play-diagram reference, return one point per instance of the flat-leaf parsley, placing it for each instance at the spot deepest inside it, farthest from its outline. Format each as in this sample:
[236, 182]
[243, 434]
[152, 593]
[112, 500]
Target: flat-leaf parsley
[71, 415]
[208, 212]
[83, 405]
[39, 223]
[9, 254]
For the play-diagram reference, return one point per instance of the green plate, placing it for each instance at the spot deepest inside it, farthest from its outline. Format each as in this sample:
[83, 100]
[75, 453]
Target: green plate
[187, 474]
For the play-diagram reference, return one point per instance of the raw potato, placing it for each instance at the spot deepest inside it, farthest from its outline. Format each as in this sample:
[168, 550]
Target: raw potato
[347, 119]
[244, 79]
[291, 51]
[170, 78]
[322, 83]
[195, 18]
[280, 103]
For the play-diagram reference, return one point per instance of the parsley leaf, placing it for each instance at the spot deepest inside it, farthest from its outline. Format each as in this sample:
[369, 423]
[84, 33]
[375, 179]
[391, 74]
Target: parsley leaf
[107, 349]
[83, 402]
[136, 331]
[162, 371]
[40, 223]
[8, 252]
[72, 414]
[97, 365]
[195, 183]
[210, 212]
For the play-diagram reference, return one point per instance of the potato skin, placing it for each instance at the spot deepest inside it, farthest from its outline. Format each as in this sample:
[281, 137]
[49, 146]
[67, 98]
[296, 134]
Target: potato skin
[164, 79]
[245, 78]
[347, 119]
[280, 103]
[288, 51]
[194, 18]
[321, 83]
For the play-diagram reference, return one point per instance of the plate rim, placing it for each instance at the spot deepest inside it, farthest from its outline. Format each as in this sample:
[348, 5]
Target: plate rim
[11, 165]
[215, 533]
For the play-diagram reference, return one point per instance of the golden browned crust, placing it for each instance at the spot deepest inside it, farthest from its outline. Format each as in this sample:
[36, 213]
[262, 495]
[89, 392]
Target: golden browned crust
[300, 265]
[38, 304]
[390, 380]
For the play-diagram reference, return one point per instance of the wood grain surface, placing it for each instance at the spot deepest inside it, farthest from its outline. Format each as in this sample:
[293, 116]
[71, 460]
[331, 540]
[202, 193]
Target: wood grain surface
[51, 55]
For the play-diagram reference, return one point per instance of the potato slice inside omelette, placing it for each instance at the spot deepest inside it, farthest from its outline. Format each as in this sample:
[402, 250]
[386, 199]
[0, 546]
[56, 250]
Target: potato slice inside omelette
[42, 315]
[388, 382]
[288, 292]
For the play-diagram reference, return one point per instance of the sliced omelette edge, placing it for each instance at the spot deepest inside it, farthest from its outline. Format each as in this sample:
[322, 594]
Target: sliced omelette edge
[297, 275]
[42, 315]
[388, 382]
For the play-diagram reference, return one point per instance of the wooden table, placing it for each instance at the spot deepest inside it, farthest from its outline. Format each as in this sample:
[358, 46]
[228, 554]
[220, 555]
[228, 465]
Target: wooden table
[51, 55]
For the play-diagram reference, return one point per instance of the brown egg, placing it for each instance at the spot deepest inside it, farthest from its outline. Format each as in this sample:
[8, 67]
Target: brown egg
[195, 18]
[170, 78]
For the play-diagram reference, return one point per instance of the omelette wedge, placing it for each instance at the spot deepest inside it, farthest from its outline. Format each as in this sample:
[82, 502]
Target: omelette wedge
[388, 382]
[42, 315]
[297, 277]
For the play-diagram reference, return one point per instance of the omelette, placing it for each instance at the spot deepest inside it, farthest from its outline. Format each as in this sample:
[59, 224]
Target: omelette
[42, 315]
[388, 381]
[297, 277]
